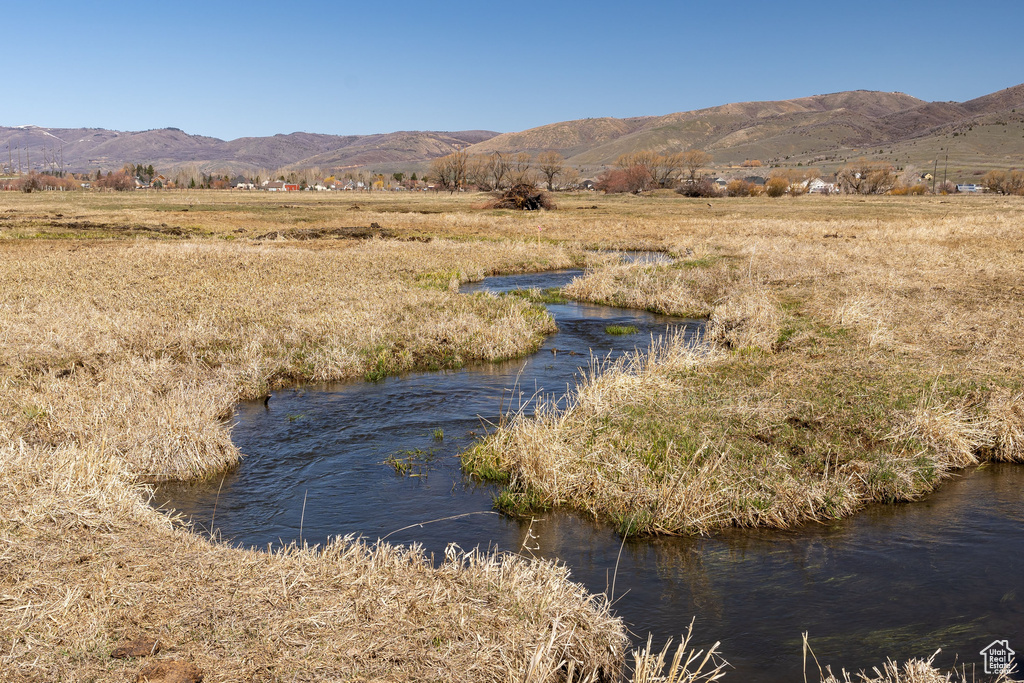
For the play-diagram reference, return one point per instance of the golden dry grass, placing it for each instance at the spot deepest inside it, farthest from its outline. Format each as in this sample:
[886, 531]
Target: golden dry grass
[120, 360]
[912, 671]
[143, 345]
[857, 356]
[86, 565]
[867, 346]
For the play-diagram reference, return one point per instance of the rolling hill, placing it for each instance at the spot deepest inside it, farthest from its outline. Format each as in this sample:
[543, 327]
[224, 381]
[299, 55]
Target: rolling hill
[88, 149]
[820, 130]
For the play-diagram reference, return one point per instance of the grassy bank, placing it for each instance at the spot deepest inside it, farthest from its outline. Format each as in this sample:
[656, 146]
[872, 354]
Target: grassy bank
[851, 361]
[865, 348]
[120, 359]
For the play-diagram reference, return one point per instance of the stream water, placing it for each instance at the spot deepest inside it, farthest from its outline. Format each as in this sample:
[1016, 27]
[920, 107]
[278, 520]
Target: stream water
[381, 459]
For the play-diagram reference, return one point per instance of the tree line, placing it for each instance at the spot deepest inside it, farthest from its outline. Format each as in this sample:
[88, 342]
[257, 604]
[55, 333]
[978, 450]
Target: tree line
[647, 170]
[500, 170]
[1004, 182]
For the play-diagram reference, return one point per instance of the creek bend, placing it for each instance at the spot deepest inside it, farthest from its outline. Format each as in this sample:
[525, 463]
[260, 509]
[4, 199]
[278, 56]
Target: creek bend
[893, 581]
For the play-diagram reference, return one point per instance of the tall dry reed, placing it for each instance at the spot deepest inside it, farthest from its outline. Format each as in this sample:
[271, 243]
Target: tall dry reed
[830, 326]
[120, 362]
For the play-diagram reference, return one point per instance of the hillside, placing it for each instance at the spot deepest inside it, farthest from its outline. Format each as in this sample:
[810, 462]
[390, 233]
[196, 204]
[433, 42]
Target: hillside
[732, 132]
[821, 130]
[86, 149]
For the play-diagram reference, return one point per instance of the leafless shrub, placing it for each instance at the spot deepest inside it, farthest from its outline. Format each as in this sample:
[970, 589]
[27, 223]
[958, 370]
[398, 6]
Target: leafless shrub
[120, 181]
[523, 198]
[702, 187]
[633, 179]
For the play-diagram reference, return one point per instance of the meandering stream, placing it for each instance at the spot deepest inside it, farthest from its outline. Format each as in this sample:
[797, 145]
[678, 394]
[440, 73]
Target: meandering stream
[380, 459]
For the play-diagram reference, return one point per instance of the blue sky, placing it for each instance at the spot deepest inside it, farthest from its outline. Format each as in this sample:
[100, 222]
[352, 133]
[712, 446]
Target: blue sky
[257, 68]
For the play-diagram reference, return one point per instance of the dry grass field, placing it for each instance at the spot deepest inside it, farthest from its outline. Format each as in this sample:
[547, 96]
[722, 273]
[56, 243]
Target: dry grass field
[857, 354]
[863, 350]
[120, 360]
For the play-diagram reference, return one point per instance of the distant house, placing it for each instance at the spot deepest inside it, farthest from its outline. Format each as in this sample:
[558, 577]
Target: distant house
[755, 179]
[280, 186]
[970, 187]
[587, 184]
[721, 182]
[819, 186]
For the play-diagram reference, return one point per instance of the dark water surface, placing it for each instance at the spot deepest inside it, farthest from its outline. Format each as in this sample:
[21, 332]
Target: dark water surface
[897, 581]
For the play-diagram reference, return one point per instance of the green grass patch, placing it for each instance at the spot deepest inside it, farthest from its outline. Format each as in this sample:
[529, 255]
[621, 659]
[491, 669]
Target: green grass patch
[621, 330]
[749, 439]
[440, 279]
[520, 503]
[550, 295]
[483, 462]
[411, 462]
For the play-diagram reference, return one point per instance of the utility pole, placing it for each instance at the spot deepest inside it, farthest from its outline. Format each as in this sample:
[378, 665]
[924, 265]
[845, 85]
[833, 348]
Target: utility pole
[944, 169]
[935, 172]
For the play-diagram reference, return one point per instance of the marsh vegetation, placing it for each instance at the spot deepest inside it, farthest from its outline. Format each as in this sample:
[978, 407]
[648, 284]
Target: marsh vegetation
[863, 350]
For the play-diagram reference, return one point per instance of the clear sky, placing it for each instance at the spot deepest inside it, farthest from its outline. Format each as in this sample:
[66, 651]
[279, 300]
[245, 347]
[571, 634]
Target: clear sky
[233, 69]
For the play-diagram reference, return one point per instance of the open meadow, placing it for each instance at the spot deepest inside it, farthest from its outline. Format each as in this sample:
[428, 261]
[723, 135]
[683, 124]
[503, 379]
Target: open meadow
[861, 349]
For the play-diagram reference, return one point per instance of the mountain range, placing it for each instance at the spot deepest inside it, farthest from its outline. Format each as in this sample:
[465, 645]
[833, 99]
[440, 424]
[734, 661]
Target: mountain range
[820, 130]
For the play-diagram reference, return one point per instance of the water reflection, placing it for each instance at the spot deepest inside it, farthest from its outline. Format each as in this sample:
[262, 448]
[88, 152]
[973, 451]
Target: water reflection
[895, 581]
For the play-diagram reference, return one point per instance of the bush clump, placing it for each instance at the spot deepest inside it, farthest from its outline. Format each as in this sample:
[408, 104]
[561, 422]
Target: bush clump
[523, 197]
[776, 186]
[698, 188]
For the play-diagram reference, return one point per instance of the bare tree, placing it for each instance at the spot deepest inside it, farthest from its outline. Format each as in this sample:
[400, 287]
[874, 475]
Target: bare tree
[478, 171]
[1014, 183]
[635, 173]
[186, 175]
[551, 165]
[634, 179]
[866, 177]
[667, 169]
[664, 169]
[570, 178]
[995, 181]
[520, 171]
[450, 171]
[120, 181]
[645, 159]
[693, 161]
[499, 170]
